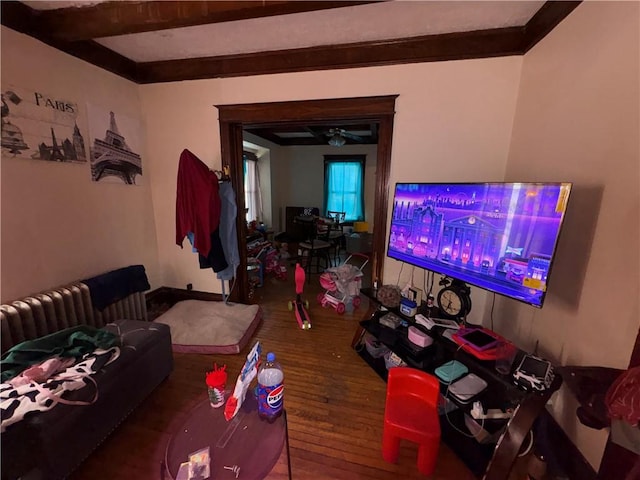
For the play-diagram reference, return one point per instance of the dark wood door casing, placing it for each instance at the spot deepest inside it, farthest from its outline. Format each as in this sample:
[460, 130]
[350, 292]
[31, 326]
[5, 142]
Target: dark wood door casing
[234, 118]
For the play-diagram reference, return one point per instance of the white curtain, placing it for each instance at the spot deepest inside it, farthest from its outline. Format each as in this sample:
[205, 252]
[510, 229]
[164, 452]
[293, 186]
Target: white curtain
[252, 195]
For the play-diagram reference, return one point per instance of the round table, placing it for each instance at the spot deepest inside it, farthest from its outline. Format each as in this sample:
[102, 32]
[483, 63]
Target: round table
[252, 444]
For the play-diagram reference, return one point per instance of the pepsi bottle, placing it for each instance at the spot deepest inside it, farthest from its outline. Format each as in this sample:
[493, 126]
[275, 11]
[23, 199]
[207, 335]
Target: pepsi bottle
[270, 389]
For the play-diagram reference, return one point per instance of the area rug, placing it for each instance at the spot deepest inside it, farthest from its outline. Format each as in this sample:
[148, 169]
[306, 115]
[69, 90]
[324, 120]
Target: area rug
[199, 326]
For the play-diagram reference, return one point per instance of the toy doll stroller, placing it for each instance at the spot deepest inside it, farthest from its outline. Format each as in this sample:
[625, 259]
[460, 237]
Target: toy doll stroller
[274, 263]
[342, 284]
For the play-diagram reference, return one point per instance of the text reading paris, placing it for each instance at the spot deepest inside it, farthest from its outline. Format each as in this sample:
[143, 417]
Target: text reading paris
[44, 101]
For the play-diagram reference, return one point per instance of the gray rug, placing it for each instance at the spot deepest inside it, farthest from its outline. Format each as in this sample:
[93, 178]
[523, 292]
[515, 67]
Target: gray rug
[199, 326]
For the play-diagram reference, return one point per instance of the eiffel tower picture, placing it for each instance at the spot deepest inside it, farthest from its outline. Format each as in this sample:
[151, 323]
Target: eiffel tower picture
[112, 157]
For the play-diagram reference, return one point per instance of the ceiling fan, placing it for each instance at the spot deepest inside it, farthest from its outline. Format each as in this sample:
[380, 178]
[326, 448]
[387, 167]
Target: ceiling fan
[338, 137]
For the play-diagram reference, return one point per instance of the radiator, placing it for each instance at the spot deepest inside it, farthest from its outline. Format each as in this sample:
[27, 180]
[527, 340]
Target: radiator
[60, 308]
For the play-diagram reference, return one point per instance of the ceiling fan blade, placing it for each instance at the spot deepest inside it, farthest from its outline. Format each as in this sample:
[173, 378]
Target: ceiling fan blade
[351, 136]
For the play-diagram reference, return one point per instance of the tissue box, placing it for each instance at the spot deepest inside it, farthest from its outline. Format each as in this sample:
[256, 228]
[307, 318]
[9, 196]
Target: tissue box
[419, 338]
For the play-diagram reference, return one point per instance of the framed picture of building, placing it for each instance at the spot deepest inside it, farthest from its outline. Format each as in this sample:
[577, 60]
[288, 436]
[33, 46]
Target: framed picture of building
[115, 145]
[41, 126]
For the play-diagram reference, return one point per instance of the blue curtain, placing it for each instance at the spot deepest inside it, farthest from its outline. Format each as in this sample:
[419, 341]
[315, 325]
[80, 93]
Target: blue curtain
[344, 188]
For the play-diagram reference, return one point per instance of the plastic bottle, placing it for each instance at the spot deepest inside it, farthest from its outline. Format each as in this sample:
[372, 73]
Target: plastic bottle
[270, 389]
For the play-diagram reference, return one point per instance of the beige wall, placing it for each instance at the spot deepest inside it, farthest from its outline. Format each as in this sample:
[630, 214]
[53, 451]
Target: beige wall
[577, 120]
[572, 116]
[58, 225]
[305, 175]
[453, 121]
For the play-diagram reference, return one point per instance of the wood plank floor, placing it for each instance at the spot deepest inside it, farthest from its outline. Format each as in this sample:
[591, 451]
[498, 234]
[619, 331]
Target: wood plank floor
[335, 403]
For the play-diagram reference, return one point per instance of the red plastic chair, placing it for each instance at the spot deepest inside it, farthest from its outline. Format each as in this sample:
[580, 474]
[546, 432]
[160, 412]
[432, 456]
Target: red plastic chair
[411, 413]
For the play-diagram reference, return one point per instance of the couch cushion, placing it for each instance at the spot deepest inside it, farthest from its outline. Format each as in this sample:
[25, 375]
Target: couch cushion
[145, 359]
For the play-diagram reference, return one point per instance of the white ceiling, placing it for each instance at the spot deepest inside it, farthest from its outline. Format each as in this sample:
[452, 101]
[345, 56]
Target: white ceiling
[359, 23]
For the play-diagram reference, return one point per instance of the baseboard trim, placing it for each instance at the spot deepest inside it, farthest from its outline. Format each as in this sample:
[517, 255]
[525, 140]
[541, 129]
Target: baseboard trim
[172, 296]
[560, 452]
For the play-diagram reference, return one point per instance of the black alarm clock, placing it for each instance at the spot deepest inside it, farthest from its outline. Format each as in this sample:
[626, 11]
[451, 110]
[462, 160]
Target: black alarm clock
[454, 300]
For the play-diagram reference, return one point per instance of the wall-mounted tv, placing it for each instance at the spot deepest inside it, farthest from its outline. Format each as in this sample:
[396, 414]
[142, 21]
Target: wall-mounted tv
[501, 237]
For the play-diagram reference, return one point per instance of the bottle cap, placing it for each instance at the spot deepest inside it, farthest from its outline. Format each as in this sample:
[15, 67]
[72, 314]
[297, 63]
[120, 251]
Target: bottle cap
[271, 357]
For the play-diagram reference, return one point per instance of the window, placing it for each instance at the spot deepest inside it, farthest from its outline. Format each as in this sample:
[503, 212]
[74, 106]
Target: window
[344, 185]
[252, 199]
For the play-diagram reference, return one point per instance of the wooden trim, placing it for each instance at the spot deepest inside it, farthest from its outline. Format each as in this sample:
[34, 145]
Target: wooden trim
[545, 20]
[233, 118]
[24, 19]
[571, 460]
[318, 111]
[122, 18]
[429, 48]
[171, 296]
[635, 354]
[356, 157]
[231, 154]
[70, 30]
[383, 173]
[617, 461]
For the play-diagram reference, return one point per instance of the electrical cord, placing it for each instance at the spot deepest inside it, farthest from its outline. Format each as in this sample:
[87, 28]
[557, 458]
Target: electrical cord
[400, 273]
[493, 304]
[446, 412]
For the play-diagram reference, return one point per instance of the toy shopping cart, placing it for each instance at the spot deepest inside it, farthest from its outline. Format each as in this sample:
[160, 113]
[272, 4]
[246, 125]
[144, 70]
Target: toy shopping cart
[342, 284]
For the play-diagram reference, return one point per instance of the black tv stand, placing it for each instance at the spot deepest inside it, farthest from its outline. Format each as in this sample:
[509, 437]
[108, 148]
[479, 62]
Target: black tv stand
[492, 460]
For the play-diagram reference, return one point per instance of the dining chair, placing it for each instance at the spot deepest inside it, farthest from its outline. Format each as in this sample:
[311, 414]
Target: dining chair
[336, 233]
[316, 246]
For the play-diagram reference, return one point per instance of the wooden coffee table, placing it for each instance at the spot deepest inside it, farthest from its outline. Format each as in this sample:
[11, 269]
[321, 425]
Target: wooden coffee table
[247, 441]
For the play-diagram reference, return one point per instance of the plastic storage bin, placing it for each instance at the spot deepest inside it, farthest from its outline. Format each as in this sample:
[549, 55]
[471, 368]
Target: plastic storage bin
[392, 360]
[359, 243]
[374, 347]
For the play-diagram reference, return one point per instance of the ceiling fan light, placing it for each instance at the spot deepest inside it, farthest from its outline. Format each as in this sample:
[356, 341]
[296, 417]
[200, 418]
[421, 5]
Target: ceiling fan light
[337, 140]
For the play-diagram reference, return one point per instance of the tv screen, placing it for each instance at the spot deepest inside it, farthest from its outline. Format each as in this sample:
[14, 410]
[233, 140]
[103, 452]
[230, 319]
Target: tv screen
[501, 237]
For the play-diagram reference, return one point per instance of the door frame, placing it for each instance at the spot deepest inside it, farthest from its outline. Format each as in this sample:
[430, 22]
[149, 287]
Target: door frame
[235, 117]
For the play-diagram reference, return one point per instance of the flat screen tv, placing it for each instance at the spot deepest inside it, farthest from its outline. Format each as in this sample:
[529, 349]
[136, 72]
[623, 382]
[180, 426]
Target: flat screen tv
[501, 237]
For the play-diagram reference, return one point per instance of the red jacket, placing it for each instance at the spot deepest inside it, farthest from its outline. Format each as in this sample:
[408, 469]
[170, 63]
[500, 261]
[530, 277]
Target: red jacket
[197, 202]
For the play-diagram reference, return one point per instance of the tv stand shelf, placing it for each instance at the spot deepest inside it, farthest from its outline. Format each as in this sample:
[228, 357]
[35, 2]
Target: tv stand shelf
[491, 461]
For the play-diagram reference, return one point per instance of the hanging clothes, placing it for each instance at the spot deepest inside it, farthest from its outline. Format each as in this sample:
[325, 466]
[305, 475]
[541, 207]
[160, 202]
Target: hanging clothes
[198, 210]
[228, 235]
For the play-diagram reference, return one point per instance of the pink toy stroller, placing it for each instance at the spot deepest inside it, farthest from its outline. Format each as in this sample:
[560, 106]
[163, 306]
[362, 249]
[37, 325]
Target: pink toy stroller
[342, 284]
[275, 264]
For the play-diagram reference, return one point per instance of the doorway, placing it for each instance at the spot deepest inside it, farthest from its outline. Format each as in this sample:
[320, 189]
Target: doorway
[235, 118]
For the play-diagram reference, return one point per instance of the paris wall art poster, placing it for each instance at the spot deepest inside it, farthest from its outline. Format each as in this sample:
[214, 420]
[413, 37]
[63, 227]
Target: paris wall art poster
[115, 145]
[42, 126]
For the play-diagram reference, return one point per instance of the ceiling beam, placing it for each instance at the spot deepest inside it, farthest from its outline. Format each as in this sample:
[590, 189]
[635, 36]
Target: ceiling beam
[24, 19]
[121, 18]
[545, 20]
[429, 48]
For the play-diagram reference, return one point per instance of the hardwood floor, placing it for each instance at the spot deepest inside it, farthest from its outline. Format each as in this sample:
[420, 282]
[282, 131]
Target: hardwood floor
[334, 401]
